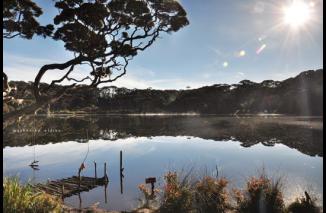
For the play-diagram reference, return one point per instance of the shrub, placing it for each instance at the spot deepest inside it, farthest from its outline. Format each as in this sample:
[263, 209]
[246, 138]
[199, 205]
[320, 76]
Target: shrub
[304, 205]
[211, 195]
[260, 195]
[18, 198]
[177, 195]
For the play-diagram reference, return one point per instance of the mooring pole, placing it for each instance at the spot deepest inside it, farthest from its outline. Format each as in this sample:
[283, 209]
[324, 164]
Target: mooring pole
[95, 170]
[121, 169]
[105, 175]
[121, 173]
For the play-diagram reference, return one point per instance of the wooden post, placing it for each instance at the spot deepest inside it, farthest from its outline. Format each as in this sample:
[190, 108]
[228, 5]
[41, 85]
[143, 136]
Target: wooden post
[95, 170]
[121, 162]
[121, 168]
[105, 175]
[121, 173]
[106, 178]
[151, 180]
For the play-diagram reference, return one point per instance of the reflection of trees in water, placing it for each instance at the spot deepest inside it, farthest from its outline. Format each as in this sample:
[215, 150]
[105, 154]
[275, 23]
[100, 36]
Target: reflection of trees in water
[247, 130]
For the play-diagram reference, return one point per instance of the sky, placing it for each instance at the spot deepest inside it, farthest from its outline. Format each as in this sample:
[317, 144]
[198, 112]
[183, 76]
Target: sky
[225, 42]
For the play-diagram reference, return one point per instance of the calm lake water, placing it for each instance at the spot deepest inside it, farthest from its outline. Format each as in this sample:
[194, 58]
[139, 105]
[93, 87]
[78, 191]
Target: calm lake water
[287, 147]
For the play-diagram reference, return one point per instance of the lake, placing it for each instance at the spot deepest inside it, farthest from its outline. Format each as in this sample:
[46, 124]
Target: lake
[239, 147]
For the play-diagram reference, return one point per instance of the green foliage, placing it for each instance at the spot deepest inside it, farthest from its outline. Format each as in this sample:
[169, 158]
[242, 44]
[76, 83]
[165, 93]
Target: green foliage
[260, 195]
[103, 34]
[303, 205]
[94, 28]
[211, 195]
[20, 19]
[177, 195]
[283, 97]
[18, 198]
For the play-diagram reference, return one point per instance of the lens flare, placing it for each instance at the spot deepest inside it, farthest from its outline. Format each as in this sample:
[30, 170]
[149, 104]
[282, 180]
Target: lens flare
[260, 49]
[242, 53]
[225, 64]
[239, 54]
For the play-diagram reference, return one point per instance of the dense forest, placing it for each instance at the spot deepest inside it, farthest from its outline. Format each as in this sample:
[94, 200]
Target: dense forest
[300, 95]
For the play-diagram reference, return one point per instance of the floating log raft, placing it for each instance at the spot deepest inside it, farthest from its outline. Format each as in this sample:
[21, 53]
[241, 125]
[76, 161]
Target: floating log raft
[71, 186]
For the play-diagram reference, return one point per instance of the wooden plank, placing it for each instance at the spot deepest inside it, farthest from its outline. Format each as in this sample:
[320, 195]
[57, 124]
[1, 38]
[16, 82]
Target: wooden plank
[71, 185]
[71, 182]
[57, 185]
[49, 190]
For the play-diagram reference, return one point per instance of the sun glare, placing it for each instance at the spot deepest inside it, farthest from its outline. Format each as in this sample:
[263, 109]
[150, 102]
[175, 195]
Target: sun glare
[297, 14]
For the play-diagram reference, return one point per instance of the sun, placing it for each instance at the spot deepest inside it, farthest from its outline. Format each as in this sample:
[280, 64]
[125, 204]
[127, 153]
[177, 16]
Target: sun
[297, 14]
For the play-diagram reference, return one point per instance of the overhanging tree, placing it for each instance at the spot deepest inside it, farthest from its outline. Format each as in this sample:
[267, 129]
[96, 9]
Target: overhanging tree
[103, 35]
[20, 20]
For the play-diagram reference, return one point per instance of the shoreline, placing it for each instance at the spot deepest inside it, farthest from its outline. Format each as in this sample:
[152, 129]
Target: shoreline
[77, 113]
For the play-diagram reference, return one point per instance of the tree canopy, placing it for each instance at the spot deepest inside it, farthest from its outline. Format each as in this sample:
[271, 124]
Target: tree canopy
[107, 34]
[20, 19]
[103, 35]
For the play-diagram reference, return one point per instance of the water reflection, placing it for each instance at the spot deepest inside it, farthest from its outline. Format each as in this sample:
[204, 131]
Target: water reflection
[121, 173]
[136, 148]
[301, 133]
[105, 193]
[145, 157]
[81, 199]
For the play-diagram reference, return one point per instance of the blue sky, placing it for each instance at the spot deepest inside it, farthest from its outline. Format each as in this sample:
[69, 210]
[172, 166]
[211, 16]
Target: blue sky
[219, 46]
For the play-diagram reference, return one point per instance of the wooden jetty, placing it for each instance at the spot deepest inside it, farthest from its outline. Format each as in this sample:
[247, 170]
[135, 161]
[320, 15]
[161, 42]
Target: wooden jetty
[74, 185]
[71, 186]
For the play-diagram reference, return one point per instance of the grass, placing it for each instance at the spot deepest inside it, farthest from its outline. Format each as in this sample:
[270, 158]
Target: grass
[179, 194]
[260, 195]
[19, 198]
[304, 205]
[210, 194]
